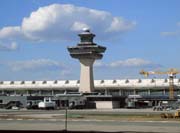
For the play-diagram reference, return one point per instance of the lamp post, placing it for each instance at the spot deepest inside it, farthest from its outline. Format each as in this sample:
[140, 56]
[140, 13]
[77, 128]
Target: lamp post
[66, 113]
[66, 120]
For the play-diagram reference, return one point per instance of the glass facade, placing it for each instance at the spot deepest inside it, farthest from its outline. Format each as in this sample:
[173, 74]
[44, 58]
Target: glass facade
[105, 91]
[142, 92]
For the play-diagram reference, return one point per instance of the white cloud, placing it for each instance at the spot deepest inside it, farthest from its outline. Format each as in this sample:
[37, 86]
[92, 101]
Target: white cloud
[99, 64]
[119, 24]
[39, 64]
[128, 68]
[131, 62]
[8, 47]
[168, 33]
[77, 26]
[13, 46]
[172, 33]
[36, 69]
[10, 32]
[63, 21]
[65, 72]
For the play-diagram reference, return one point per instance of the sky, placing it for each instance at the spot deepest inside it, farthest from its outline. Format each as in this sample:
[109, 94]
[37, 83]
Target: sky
[138, 34]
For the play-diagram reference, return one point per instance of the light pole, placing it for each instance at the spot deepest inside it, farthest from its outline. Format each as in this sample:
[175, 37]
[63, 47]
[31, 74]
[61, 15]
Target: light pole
[66, 120]
[66, 113]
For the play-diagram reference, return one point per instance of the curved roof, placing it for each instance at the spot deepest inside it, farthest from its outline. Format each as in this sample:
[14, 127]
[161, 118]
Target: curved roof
[74, 84]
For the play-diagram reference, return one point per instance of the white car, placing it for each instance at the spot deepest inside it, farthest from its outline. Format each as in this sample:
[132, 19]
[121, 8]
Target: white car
[15, 108]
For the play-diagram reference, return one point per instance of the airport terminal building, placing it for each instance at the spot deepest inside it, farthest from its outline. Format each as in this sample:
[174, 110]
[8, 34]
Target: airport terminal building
[124, 87]
[113, 93]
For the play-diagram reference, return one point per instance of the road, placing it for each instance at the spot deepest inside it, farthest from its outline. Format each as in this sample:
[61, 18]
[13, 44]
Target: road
[45, 121]
[168, 127]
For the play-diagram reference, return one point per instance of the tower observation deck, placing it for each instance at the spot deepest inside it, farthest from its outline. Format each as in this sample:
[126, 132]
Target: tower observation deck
[87, 52]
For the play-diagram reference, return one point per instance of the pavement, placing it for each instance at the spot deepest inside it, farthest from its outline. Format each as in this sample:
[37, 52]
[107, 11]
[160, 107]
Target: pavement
[110, 126]
[55, 120]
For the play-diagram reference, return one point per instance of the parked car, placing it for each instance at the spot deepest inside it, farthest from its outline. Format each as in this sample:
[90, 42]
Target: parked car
[15, 108]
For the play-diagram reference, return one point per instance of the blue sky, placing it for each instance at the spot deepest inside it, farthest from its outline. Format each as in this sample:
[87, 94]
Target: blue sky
[139, 34]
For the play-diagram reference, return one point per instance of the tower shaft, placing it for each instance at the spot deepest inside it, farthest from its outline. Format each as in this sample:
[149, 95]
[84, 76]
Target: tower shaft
[86, 76]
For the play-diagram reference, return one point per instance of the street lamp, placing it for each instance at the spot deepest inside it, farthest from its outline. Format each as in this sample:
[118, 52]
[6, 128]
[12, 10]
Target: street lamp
[66, 120]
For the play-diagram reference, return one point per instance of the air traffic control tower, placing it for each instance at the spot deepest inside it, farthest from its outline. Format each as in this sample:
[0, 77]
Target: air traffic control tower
[87, 52]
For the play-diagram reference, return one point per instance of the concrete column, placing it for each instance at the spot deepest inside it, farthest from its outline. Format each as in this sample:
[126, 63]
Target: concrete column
[120, 92]
[40, 93]
[134, 93]
[105, 91]
[164, 92]
[52, 93]
[65, 91]
[86, 77]
[149, 92]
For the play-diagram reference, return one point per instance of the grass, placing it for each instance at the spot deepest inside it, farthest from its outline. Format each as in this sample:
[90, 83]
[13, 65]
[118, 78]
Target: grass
[121, 117]
[93, 116]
